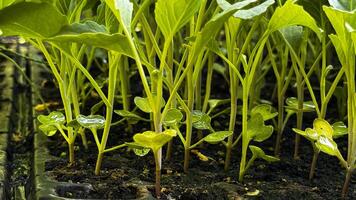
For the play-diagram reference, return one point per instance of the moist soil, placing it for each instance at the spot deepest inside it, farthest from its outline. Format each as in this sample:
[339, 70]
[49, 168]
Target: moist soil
[127, 176]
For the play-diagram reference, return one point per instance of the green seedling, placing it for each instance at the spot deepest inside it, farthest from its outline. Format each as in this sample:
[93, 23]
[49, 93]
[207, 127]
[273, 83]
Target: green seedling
[322, 137]
[154, 142]
[54, 122]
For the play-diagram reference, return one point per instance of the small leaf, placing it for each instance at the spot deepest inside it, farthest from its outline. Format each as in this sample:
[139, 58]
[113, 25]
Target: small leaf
[48, 130]
[265, 110]
[130, 115]
[173, 117]
[54, 118]
[213, 103]
[91, 121]
[144, 105]
[327, 145]
[340, 129]
[292, 104]
[153, 140]
[300, 132]
[141, 152]
[257, 130]
[323, 127]
[216, 137]
[259, 153]
[344, 5]
[201, 120]
[312, 134]
[254, 11]
[125, 8]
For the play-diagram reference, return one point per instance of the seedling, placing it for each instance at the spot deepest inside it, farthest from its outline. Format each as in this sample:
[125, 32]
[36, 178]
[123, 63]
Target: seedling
[153, 141]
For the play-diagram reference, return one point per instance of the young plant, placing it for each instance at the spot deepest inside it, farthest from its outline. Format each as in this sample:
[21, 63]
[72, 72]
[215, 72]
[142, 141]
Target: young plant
[154, 142]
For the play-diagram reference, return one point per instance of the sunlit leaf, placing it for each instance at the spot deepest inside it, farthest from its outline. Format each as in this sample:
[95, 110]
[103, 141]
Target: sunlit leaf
[292, 105]
[91, 121]
[141, 152]
[265, 110]
[201, 120]
[217, 137]
[340, 129]
[144, 105]
[53, 118]
[291, 14]
[172, 15]
[153, 140]
[173, 117]
[259, 153]
[327, 145]
[125, 8]
[33, 20]
[323, 127]
[345, 5]
[48, 130]
[257, 130]
[293, 35]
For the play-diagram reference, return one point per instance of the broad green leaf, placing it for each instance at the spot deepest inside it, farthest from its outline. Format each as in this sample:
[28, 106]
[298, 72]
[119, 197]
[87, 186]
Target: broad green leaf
[259, 153]
[339, 47]
[344, 5]
[314, 8]
[323, 128]
[353, 36]
[5, 3]
[173, 117]
[172, 15]
[201, 120]
[54, 118]
[48, 130]
[293, 35]
[32, 20]
[291, 14]
[130, 115]
[327, 145]
[340, 129]
[141, 152]
[257, 130]
[125, 8]
[93, 34]
[144, 105]
[292, 104]
[153, 140]
[254, 11]
[216, 137]
[265, 110]
[91, 121]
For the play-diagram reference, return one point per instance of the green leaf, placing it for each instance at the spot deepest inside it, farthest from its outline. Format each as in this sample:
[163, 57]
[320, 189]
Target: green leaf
[201, 120]
[254, 11]
[265, 110]
[300, 132]
[292, 105]
[173, 117]
[153, 140]
[259, 153]
[323, 128]
[213, 103]
[141, 152]
[291, 14]
[257, 130]
[125, 8]
[172, 15]
[311, 134]
[48, 130]
[216, 137]
[144, 105]
[91, 121]
[32, 20]
[344, 5]
[93, 34]
[130, 115]
[5, 3]
[54, 118]
[340, 129]
[293, 35]
[327, 145]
